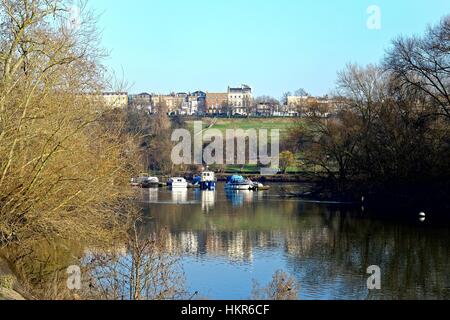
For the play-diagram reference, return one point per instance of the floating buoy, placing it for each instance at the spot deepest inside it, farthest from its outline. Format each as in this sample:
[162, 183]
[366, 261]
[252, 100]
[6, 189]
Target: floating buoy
[422, 216]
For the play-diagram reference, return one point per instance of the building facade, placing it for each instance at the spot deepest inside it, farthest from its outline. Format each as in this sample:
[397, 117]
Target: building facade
[115, 100]
[142, 101]
[264, 110]
[240, 100]
[172, 103]
[216, 102]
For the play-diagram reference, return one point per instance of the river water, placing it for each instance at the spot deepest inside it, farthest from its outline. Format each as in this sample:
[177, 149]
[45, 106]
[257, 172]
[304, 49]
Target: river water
[228, 240]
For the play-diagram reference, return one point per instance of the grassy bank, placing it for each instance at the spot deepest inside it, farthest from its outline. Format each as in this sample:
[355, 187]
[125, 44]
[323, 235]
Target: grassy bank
[282, 124]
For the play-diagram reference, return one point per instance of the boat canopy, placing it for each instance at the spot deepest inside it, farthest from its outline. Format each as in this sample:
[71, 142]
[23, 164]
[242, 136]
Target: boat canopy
[236, 179]
[197, 180]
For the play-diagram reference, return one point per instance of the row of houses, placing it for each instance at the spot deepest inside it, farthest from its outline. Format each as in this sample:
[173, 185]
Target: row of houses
[236, 101]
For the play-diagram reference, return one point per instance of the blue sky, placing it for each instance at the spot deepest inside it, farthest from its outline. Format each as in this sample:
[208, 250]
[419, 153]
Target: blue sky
[272, 45]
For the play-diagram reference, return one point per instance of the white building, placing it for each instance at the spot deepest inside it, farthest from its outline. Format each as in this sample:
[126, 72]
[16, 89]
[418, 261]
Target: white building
[240, 99]
[115, 100]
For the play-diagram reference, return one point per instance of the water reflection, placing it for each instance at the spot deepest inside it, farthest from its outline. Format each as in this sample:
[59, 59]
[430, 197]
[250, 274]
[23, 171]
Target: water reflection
[180, 196]
[239, 197]
[247, 236]
[208, 200]
[153, 195]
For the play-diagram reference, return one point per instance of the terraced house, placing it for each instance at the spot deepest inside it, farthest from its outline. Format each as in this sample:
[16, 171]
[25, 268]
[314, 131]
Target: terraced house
[216, 103]
[240, 100]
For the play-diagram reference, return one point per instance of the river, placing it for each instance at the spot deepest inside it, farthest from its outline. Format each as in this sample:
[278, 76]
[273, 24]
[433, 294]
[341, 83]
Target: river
[228, 240]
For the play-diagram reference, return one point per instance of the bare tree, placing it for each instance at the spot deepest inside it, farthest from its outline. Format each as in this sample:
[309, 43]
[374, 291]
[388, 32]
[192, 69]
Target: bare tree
[282, 287]
[424, 63]
[62, 164]
[145, 270]
[301, 93]
[284, 98]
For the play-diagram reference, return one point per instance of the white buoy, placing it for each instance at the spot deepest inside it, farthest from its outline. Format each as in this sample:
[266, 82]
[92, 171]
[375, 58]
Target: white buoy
[422, 216]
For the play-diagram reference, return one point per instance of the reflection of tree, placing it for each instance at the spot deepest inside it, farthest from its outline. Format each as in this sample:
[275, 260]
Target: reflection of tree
[325, 247]
[146, 271]
[412, 263]
[41, 268]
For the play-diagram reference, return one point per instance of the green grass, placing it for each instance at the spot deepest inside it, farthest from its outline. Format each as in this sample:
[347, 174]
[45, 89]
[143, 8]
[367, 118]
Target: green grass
[281, 124]
[252, 123]
[248, 168]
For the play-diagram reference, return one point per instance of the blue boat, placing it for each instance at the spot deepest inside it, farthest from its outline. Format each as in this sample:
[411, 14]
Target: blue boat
[238, 183]
[208, 181]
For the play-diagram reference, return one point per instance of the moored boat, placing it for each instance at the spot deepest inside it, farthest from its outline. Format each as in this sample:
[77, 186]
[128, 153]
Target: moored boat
[135, 182]
[150, 182]
[208, 181]
[259, 186]
[145, 181]
[238, 183]
[177, 183]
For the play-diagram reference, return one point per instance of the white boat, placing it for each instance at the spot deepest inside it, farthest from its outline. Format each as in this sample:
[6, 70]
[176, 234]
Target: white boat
[238, 183]
[144, 181]
[150, 182]
[177, 183]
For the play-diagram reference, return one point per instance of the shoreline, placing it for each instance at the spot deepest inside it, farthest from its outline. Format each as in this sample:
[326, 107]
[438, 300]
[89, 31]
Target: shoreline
[279, 178]
[316, 188]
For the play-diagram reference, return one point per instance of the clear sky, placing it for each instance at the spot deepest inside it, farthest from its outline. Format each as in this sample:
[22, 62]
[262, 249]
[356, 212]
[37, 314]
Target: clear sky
[272, 45]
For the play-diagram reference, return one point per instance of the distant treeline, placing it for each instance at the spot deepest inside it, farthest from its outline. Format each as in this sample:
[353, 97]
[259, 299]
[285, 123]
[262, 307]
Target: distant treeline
[391, 136]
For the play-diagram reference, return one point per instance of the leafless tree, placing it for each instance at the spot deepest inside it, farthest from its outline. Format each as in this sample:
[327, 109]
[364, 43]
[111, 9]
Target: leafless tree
[424, 63]
[282, 287]
[145, 270]
[61, 164]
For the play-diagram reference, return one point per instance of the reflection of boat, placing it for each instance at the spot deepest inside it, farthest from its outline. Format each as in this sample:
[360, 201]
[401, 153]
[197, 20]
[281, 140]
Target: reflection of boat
[239, 197]
[180, 196]
[238, 183]
[177, 183]
[208, 181]
[208, 200]
[153, 195]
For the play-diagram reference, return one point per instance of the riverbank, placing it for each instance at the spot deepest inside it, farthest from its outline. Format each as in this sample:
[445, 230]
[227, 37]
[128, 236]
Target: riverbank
[279, 178]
